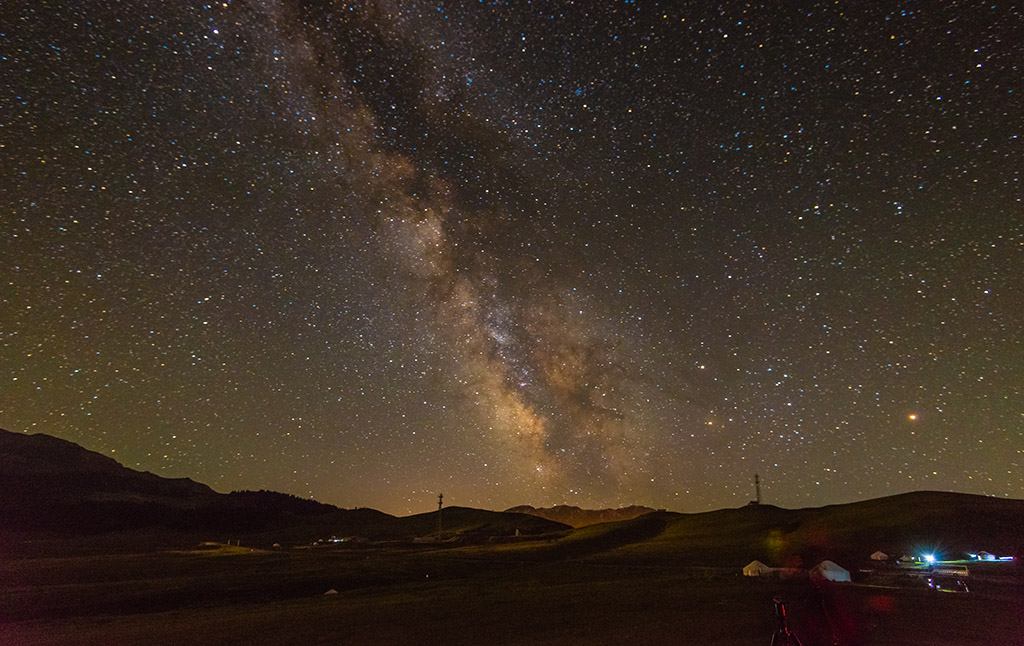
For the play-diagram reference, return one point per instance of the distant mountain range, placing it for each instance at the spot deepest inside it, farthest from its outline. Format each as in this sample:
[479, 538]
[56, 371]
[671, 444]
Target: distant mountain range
[576, 517]
[50, 484]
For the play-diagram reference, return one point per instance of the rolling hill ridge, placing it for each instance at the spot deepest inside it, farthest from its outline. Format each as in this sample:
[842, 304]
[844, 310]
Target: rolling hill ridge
[576, 517]
[50, 484]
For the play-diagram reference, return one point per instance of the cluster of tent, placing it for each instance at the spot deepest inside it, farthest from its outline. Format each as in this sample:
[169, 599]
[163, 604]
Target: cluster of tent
[824, 571]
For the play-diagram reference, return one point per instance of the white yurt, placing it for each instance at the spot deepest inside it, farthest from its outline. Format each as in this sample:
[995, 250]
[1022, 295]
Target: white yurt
[756, 568]
[829, 571]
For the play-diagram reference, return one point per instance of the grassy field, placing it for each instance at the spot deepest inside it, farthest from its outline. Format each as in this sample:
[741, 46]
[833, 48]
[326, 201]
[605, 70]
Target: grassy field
[600, 585]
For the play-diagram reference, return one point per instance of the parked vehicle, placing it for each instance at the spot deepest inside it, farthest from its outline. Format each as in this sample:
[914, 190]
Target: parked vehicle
[946, 583]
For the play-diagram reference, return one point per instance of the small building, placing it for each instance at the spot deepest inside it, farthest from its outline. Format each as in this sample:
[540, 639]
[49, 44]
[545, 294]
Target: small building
[829, 571]
[756, 568]
[879, 556]
[986, 556]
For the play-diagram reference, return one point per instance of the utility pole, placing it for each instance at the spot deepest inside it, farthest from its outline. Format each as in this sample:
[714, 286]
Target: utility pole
[440, 497]
[757, 488]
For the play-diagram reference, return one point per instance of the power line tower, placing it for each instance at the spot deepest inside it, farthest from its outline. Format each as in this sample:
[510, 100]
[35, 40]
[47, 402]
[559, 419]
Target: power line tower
[440, 497]
[757, 491]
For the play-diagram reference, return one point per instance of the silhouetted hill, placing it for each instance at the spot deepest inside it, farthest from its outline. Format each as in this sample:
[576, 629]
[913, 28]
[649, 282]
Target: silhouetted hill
[576, 517]
[52, 484]
[47, 467]
[49, 484]
[948, 524]
[468, 523]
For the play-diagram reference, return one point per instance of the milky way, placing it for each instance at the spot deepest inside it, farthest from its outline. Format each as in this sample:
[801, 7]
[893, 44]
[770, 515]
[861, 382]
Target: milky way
[617, 253]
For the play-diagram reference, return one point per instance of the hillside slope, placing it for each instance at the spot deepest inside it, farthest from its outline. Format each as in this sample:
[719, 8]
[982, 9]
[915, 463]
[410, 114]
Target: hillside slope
[42, 466]
[947, 524]
[50, 484]
[469, 523]
[577, 517]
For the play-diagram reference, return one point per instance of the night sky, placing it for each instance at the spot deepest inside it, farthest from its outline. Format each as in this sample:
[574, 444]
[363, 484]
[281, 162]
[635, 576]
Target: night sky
[593, 253]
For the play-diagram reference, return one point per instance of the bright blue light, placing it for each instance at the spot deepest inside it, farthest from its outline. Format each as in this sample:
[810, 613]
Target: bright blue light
[930, 558]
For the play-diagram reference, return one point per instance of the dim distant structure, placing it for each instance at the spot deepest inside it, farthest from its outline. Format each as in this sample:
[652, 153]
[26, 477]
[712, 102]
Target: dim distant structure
[440, 498]
[757, 491]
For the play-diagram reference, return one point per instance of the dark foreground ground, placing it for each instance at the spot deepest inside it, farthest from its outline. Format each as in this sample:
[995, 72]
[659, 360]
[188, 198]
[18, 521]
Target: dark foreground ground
[465, 595]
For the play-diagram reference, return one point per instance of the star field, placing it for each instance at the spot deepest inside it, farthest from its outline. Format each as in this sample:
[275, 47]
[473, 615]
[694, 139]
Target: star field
[540, 252]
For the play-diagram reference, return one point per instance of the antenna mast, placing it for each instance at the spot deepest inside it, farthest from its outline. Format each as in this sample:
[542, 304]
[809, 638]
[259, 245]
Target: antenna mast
[757, 488]
[440, 497]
